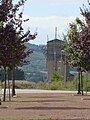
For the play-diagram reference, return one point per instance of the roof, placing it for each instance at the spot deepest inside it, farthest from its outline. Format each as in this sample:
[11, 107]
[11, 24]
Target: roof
[56, 40]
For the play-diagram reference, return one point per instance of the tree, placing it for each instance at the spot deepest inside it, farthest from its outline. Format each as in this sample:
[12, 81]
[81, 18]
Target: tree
[78, 43]
[73, 51]
[12, 48]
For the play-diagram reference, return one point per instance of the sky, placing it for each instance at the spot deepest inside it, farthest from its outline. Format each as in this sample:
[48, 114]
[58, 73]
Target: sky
[45, 15]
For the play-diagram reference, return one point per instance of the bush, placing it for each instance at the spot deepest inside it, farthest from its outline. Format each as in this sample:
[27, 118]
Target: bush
[55, 77]
[55, 85]
[25, 85]
[42, 85]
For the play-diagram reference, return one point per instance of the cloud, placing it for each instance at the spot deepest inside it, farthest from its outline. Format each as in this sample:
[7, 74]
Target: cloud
[46, 26]
[48, 22]
[60, 1]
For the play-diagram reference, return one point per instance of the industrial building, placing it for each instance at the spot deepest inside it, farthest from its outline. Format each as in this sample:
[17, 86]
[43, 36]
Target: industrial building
[55, 61]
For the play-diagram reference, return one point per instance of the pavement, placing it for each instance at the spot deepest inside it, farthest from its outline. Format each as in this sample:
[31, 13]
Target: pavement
[38, 91]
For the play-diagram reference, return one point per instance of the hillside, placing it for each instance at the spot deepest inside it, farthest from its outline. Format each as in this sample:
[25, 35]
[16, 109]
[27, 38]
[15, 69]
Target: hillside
[36, 69]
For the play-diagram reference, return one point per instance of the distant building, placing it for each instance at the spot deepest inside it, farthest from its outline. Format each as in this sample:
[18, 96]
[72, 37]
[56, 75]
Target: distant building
[55, 62]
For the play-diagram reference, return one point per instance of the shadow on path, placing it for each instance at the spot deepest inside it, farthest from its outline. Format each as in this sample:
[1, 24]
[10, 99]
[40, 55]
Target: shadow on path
[52, 108]
[40, 101]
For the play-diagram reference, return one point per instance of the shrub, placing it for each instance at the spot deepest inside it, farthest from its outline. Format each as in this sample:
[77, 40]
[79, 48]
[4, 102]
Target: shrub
[55, 77]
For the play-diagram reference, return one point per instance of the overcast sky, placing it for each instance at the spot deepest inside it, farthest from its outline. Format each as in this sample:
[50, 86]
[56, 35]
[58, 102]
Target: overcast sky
[45, 15]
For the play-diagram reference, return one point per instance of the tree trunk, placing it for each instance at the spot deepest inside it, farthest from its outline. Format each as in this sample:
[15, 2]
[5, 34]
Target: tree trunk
[8, 86]
[13, 81]
[79, 83]
[86, 82]
[5, 74]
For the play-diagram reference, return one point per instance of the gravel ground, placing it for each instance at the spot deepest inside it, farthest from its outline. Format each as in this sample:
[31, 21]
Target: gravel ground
[58, 106]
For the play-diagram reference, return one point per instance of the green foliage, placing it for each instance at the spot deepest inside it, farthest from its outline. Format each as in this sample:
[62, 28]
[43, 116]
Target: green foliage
[42, 85]
[72, 50]
[50, 85]
[25, 85]
[36, 70]
[55, 77]
[77, 46]
[55, 85]
[20, 118]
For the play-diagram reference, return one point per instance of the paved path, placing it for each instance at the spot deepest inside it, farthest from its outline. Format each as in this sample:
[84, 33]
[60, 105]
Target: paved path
[42, 91]
[39, 91]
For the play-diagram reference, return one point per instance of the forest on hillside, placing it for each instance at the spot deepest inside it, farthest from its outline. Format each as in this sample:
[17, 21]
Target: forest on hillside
[36, 69]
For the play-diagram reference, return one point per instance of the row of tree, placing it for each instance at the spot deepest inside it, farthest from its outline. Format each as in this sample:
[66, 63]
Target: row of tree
[77, 45]
[12, 38]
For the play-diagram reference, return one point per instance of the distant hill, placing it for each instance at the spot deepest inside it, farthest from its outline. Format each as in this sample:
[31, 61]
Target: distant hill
[36, 70]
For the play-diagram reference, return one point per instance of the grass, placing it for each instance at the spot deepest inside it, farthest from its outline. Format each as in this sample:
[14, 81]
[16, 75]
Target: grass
[18, 118]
